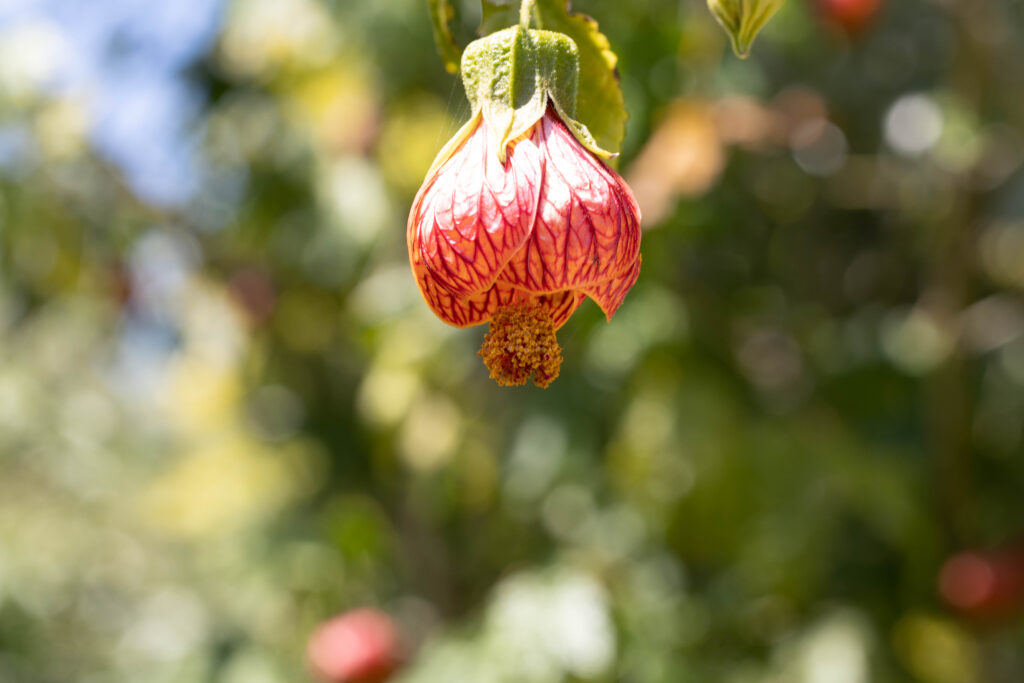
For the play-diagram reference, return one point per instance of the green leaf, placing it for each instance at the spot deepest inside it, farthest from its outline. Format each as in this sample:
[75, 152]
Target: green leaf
[743, 20]
[513, 74]
[441, 14]
[497, 14]
[600, 105]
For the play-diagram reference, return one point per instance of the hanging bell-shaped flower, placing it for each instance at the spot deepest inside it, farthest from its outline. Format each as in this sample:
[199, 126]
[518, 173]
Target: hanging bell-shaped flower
[519, 218]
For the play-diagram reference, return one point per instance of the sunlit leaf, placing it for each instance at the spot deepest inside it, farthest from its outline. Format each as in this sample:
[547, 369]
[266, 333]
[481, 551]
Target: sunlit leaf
[496, 15]
[441, 14]
[600, 106]
[743, 20]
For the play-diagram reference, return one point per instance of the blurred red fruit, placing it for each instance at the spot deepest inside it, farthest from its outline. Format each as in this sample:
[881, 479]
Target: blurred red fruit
[361, 646]
[254, 290]
[984, 583]
[121, 285]
[852, 16]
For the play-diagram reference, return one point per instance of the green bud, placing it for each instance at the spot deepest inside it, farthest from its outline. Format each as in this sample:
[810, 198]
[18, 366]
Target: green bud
[743, 20]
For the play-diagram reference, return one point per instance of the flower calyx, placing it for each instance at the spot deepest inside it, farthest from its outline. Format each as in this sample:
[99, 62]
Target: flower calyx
[510, 77]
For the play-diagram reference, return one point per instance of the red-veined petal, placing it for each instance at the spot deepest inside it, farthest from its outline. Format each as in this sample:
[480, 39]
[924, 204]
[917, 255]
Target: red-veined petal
[588, 223]
[610, 293]
[475, 212]
[466, 310]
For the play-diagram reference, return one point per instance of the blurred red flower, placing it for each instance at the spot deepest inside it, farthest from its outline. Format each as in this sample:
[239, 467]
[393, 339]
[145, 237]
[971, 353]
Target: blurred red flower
[851, 16]
[361, 646]
[984, 583]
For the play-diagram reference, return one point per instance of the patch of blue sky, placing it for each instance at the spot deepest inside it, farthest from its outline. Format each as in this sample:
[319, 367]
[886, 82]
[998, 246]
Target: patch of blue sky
[129, 61]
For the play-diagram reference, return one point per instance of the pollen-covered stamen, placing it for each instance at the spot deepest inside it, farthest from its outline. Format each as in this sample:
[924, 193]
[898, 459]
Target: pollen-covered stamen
[521, 343]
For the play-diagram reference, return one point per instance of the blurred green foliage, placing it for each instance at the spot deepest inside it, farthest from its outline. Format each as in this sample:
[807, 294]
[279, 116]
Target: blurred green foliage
[224, 422]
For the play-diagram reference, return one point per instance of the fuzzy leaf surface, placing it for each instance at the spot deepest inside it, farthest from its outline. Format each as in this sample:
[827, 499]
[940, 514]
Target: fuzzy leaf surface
[600, 105]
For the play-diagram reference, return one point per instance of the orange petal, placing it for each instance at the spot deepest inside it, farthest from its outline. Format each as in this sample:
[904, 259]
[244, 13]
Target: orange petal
[610, 293]
[475, 212]
[466, 310]
[461, 310]
[561, 305]
[588, 223]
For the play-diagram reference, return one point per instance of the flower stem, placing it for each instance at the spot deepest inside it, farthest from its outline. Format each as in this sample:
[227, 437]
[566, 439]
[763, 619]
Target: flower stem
[525, 12]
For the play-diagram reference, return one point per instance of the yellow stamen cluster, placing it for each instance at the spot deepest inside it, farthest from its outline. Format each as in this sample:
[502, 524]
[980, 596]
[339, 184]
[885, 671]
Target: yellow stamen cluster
[521, 343]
